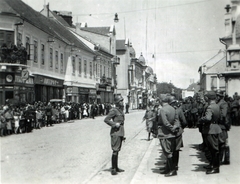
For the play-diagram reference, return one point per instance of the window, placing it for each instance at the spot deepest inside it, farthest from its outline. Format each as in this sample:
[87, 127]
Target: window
[19, 38]
[56, 60]
[101, 71]
[96, 70]
[35, 51]
[42, 54]
[51, 58]
[73, 65]
[61, 64]
[28, 47]
[90, 68]
[85, 68]
[80, 66]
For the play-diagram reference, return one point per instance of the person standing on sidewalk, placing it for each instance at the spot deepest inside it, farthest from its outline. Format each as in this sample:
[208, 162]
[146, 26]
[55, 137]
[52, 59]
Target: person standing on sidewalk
[115, 119]
[183, 123]
[211, 131]
[224, 123]
[168, 128]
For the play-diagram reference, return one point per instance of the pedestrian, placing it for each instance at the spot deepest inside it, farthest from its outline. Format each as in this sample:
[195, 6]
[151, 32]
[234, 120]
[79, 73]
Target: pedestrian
[211, 131]
[9, 119]
[150, 117]
[224, 123]
[17, 117]
[115, 119]
[127, 108]
[168, 128]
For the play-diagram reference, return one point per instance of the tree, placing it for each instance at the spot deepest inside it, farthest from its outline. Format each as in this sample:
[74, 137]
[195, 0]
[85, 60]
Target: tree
[164, 88]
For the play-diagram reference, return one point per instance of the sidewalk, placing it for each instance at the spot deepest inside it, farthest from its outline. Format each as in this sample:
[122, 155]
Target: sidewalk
[191, 163]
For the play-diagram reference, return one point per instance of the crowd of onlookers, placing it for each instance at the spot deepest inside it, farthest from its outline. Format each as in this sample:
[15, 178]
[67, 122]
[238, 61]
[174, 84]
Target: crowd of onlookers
[21, 118]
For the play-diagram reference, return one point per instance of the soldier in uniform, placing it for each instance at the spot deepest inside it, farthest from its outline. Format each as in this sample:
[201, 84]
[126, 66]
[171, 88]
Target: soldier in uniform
[211, 131]
[183, 123]
[225, 126]
[115, 119]
[168, 129]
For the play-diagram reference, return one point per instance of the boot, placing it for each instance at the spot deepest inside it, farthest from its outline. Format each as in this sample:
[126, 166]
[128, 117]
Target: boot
[216, 164]
[221, 153]
[175, 159]
[227, 156]
[114, 165]
[173, 171]
[117, 168]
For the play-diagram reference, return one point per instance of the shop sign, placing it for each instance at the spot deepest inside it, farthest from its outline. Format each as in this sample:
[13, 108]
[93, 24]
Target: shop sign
[92, 91]
[83, 91]
[48, 81]
[18, 79]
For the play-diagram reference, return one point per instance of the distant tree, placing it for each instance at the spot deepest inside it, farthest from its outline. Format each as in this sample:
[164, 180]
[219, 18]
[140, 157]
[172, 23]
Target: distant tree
[164, 88]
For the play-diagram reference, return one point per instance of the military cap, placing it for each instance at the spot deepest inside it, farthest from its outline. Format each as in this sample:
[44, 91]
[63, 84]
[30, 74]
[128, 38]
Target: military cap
[221, 94]
[118, 98]
[211, 95]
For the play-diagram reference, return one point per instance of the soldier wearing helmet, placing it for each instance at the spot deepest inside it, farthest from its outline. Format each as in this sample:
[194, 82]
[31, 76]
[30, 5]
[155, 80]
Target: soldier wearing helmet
[115, 119]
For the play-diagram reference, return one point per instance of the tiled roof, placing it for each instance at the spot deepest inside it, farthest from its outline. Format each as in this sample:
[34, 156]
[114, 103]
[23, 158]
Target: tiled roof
[45, 24]
[97, 30]
[120, 45]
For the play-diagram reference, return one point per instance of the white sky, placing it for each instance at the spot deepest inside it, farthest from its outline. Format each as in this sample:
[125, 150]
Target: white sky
[182, 34]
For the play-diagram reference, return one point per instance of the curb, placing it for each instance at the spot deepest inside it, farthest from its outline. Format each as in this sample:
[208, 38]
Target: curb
[137, 178]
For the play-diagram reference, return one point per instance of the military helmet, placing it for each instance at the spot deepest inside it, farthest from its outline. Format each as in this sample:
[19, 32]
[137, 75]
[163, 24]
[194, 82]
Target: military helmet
[171, 99]
[118, 98]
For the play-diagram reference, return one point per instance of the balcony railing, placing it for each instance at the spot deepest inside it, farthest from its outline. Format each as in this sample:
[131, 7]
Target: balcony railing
[14, 54]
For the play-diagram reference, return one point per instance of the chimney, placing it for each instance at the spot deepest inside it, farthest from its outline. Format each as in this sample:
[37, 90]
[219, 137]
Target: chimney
[66, 15]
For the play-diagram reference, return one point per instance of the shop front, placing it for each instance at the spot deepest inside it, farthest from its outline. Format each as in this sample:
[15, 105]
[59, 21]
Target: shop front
[47, 88]
[105, 94]
[14, 88]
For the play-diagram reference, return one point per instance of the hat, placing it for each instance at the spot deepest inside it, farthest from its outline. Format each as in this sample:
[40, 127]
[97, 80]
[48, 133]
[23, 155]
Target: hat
[211, 95]
[221, 94]
[118, 98]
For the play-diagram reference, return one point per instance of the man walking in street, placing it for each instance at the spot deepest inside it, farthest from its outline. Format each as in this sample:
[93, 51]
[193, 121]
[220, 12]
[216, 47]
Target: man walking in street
[211, 131]
[115, 119]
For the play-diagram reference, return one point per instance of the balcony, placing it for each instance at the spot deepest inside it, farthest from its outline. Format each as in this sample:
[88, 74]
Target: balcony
[13, 55]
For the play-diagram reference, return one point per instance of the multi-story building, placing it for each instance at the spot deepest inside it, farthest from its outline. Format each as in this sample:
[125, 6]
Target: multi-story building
[57, 62]
[232, 42]
[104, 38]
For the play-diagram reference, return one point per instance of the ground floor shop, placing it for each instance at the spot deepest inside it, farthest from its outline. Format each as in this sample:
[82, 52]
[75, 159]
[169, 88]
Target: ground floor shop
[47, 88]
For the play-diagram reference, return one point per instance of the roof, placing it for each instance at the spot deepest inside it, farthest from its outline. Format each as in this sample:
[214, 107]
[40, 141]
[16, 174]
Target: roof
[120, 45]
[38, 20]
[97, 30]
[218, 67]
[193, 87]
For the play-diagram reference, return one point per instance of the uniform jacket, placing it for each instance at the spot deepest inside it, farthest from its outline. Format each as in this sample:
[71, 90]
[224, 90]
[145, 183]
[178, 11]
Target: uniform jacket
[166, 122]
[210, 119]
[223, 121]
[150, 115]
[114, 116]
[182, 120]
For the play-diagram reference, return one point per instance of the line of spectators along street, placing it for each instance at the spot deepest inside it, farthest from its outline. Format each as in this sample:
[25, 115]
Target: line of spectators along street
[24, 118]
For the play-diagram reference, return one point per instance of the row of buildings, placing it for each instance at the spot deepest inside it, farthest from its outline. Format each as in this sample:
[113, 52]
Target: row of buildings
[222, 71]
[45, 56]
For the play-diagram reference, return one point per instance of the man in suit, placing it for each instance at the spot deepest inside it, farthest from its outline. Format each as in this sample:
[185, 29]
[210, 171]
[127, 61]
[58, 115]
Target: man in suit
[211, 131]
[115, 119]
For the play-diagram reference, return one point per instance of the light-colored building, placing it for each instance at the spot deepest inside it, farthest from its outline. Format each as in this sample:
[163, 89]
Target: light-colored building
[232, 42]
[210, 70]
